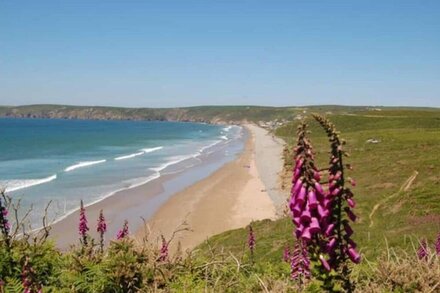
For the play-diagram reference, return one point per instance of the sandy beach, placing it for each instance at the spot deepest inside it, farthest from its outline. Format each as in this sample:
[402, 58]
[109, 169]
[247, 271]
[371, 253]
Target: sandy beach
[230, 198]
[242, 190]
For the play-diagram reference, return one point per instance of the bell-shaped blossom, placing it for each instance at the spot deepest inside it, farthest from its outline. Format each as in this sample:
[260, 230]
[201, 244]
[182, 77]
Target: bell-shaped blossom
[350, 214]
[351, 202]
[324, 263]
[354, 255]
[314, 226]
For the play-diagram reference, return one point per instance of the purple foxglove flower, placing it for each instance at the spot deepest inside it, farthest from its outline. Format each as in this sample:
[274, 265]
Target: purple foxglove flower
[337, 175]
[313, 202]
[306, 236]
[305, 216]
[123, 232]
[322, 212]
[352, 182]
[348, 229]
[102, 226]
[297, 210]
[83, 228]
[314, 226]
[327, 203]
[351, 202]
[353, 255]
[296, 221]
[350, 242]
[422, 252]
[251, 239]
[163, 250]
[301, 195]
[318, 188]
[296, 174]
[331, 245]
[329, 230]
[297, 186]
[350, 214]
[299, 262]
[316, 176]
[335, 192]
[324, 263]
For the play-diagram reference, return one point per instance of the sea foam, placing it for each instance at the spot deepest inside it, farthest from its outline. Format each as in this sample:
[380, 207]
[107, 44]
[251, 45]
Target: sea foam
[83, 164]
[17, 184]
[150, 150]
[129, 156]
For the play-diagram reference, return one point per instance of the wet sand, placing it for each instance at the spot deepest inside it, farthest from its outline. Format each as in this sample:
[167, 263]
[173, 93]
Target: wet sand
[230, 198]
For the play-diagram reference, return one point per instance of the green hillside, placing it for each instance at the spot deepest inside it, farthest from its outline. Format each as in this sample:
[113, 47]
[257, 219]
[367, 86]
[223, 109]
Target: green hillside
[407, 149]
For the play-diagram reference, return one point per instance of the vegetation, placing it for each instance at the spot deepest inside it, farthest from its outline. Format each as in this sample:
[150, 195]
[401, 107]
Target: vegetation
[394, 155]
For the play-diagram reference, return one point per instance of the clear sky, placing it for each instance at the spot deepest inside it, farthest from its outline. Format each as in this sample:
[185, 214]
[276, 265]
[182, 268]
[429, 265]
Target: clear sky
[183, 53]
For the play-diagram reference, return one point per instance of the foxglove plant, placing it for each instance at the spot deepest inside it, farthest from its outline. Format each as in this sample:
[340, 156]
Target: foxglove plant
[101, 229]
[82, 227]
[322, 216]
[28, 278]
[308, 204]
[163, 256]
[123, 232]
[300, 262]
[341, 202]
[251, 240]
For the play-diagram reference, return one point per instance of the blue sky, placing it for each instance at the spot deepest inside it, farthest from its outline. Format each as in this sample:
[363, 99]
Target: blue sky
[183, 53]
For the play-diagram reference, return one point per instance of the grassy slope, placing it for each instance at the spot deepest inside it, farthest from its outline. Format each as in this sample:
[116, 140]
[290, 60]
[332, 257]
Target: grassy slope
[200, 113]
[409, 141]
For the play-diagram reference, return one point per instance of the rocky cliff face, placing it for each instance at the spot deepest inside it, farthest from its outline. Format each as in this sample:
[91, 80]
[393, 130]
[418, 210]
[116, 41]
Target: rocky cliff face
[105, 113]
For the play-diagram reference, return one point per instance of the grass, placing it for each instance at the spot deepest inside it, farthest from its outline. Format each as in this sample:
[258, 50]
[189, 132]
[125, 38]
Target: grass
[409, 141]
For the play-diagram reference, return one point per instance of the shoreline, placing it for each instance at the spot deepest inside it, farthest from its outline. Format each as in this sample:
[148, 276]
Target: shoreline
[140, 201]
[230, 198]
[145, 201]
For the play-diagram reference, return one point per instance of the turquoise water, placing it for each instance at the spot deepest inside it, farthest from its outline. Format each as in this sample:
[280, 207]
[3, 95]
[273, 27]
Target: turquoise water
[63, 161]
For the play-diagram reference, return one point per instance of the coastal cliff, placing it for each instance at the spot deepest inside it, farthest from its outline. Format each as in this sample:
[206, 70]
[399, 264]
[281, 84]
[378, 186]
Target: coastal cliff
[207, 114]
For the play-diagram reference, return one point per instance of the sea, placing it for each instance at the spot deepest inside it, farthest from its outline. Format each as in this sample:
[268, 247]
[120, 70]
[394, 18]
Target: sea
[61, 162]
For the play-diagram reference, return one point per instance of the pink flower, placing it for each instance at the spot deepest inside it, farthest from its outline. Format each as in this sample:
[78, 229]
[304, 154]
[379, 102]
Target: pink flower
[83, 228]
[163, 250]
[251, 239]
[123, 232]
[313, 202]
[102, 226]
[351, 202]
[353, 255]
[324, 263]
[299, 262]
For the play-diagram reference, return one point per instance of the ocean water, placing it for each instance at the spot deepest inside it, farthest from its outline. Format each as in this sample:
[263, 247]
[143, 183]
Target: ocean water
[64, 161]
